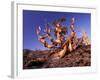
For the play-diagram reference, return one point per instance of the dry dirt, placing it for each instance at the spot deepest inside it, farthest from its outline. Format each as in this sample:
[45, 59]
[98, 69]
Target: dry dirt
[43, 59]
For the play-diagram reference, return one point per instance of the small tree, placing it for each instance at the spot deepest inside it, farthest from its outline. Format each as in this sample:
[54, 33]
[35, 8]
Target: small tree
[65, 42]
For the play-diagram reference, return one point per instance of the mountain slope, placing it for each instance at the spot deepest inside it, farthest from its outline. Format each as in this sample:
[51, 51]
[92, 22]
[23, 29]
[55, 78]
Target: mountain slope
[43, 59]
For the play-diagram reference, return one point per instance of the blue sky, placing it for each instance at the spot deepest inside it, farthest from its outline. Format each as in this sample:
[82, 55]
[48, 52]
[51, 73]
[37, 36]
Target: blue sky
[33, 19]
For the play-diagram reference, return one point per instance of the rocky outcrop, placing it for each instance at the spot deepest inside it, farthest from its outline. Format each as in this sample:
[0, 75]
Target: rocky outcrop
[43, 59]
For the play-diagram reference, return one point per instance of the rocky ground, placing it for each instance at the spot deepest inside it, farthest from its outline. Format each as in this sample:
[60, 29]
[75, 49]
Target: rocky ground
[43, 59]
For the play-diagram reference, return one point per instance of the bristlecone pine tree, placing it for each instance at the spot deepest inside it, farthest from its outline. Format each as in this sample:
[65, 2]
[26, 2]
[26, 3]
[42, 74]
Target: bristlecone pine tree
[65, 42]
